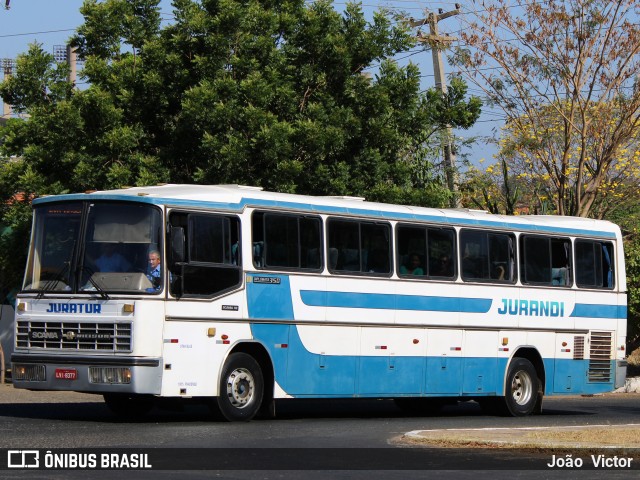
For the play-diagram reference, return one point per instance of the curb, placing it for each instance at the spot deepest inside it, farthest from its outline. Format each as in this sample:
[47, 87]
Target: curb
[631, 385]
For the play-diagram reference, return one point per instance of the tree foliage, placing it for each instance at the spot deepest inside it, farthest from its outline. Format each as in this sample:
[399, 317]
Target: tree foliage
[564, 73]
[495, 190]
[288, 95]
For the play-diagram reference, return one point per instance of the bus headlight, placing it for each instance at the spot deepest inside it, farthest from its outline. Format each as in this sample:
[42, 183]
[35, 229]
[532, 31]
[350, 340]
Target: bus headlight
[29, 373]
[110, 375]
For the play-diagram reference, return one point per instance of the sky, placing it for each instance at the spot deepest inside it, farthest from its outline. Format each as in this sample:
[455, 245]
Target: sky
[52, 22]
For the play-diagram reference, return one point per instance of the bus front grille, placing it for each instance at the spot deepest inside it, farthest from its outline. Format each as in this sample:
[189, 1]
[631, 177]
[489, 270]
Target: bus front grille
[600, 357]
[68, 336]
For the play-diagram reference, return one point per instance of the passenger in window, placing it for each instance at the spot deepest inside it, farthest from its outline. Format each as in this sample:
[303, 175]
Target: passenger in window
[558, 276]
[155, 272]
[111, 260]
[412, 266]
[445, 267]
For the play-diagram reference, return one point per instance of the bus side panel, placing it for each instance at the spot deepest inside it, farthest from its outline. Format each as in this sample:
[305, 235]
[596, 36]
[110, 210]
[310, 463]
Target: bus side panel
[318, 360]
[190, 359]
[569, 372]
[444, 361]
[269, 297]
[323, 360]
[193, 346]
[600, 312]
[480, 363]
[275, 338]
[392, 362]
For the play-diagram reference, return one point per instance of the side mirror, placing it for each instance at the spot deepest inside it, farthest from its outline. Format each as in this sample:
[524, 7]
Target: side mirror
[177, 247]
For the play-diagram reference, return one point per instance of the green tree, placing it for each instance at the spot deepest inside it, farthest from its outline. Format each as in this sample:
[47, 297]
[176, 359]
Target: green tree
[287, 95]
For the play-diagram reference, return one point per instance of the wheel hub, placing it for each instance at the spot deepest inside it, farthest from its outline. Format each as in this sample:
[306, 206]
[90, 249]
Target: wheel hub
[522, 387]
[240, 387]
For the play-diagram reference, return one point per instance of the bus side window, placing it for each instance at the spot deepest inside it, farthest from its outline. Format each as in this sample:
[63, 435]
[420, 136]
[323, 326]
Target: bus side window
[283, 241]
[546, 260]
[411, 250]
[487, 256]
[211, 266]
[344, 238]
[594, 264]
[362, 247]
[442, 253]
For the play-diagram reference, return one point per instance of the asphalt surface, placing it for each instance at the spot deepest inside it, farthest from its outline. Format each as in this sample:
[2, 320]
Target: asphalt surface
[566, 437]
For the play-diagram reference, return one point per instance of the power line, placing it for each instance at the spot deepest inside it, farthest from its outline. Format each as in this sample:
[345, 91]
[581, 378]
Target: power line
[37, 33]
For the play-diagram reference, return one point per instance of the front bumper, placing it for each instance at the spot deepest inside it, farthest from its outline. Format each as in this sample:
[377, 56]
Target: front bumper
[145, 373]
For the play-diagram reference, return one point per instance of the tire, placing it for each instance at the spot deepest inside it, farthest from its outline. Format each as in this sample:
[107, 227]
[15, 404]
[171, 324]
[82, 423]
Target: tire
[241, 388]
[522, 388]
[129, 406]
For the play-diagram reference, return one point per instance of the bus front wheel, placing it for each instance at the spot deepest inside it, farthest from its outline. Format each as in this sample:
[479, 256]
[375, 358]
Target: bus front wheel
[241, 388]
[522, 388]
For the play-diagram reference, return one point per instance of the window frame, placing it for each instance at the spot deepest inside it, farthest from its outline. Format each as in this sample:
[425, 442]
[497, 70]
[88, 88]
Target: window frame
[360, 222]
[187, 264]
[611, 262]
[512, 253]
[550, 239]
[265, 214]
[427, 229]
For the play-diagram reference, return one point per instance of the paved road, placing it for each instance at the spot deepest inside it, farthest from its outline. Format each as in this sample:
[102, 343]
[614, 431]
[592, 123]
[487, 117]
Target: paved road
[71, 420]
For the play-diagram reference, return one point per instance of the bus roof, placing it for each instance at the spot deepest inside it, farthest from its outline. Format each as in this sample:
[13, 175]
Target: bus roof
[238, 197]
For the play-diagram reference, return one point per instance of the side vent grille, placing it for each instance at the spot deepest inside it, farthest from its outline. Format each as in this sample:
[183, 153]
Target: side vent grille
[600, 357]
[578, 348]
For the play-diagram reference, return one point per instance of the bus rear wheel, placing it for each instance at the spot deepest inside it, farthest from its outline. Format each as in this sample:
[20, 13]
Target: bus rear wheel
[241, 388]
[522, 388]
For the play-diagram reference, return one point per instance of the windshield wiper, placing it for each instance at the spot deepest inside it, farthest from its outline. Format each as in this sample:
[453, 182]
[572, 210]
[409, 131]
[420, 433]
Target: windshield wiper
[104, 295]
[52, 283]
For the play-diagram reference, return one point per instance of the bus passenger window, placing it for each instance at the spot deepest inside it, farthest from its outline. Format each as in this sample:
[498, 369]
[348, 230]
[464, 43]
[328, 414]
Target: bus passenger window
[213, 262]
[441, 252]
[359, 247]
[594, 264]
[412, 250]
[425, 252]
[286, 241]
[546, 261]
[487, 256]
[375, 244]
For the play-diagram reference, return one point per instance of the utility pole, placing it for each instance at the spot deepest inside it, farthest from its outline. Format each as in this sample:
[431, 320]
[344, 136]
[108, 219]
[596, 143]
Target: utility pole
[67, 54]
[8, 66]
[438, 43]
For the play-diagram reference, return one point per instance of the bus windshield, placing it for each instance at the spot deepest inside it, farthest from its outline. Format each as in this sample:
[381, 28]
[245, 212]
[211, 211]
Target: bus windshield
[95, 247]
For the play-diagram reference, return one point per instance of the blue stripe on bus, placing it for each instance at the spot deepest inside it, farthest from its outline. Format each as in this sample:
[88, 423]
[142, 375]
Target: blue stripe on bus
[325, 209]
[269, 300]
[599, 311]
[301, 373]
[383, 301]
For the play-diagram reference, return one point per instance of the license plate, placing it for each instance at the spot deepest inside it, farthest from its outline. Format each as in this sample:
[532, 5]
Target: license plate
[66, 374]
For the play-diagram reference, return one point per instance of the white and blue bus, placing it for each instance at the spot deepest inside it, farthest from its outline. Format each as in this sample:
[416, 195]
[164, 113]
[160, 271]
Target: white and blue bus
[260, 296]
